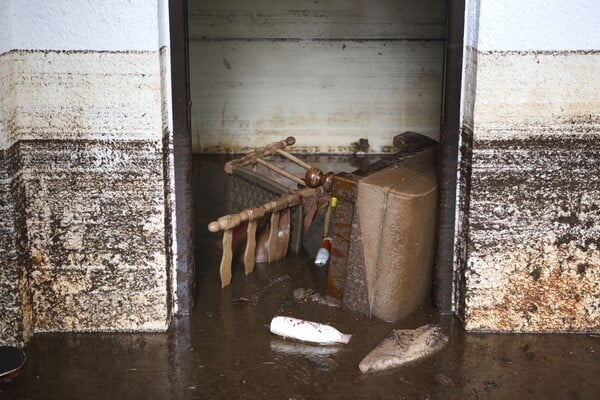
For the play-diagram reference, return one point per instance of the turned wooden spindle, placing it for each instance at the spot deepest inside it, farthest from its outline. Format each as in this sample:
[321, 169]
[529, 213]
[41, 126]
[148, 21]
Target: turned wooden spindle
[315, 177]
[251, 157]
[316, 180]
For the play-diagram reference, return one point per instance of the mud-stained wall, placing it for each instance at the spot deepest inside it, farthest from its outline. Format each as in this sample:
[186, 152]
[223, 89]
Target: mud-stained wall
[12, 325]
[533, 195]
[326, 72]
[84, 171]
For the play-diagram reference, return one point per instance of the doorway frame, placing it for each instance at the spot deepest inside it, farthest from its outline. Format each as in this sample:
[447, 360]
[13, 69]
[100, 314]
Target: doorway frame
[448, 160]
[182, 157]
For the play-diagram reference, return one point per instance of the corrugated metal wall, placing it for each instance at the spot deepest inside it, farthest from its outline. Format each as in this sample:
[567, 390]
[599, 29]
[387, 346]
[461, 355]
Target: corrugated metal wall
[327, 72]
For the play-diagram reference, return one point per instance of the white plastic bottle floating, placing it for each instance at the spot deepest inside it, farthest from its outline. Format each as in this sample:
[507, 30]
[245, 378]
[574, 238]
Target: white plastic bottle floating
[307, 331]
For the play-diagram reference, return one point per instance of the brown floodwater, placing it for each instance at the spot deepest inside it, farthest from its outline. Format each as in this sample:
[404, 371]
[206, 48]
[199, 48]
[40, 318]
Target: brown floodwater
[223, 348]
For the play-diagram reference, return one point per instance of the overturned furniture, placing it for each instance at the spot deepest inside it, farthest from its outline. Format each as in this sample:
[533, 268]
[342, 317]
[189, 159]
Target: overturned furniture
[253, 197]
[384, 231]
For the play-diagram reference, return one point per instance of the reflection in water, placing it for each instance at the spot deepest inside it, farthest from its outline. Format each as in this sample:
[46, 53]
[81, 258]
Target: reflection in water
[224, 350]
[300, 349]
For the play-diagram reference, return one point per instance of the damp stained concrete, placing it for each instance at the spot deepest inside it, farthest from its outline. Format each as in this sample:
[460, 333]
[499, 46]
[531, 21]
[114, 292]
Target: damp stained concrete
[223, 349]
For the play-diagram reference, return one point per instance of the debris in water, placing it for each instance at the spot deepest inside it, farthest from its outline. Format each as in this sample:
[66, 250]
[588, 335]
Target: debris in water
[302, 349]
[240, 300]
[322, 363]
[307, 331]
[361, 147]
[491, 384]
[403, 346]
[304, 295]
[443, 380]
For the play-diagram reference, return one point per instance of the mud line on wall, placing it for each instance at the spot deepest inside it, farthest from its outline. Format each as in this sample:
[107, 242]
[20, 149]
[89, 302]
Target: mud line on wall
[534, 253]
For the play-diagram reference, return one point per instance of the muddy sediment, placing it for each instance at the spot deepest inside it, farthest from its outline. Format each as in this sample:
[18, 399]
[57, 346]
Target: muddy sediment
[223, 348]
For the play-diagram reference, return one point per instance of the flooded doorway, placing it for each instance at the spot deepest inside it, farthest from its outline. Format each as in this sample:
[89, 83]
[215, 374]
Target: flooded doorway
[329, 73]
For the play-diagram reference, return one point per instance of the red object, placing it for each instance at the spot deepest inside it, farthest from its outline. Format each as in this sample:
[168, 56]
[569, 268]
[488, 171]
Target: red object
[326, 244]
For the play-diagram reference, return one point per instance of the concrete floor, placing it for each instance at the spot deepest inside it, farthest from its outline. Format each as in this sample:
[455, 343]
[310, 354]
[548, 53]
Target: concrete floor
[223, 349]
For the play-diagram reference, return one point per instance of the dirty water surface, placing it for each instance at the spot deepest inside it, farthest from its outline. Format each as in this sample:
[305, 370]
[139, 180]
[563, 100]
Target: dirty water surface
[223, 348]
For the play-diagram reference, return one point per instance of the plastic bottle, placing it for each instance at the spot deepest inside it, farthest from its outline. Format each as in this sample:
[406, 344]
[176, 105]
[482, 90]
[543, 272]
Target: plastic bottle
[323, 254]
[307, 331]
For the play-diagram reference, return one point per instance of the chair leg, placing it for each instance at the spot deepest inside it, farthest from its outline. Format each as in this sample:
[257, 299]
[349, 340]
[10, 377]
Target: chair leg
[249, 253]
[227, 258]
[273, 234]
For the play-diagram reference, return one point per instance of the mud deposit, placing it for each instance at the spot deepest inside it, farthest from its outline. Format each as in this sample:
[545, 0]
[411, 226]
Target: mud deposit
[223, 348]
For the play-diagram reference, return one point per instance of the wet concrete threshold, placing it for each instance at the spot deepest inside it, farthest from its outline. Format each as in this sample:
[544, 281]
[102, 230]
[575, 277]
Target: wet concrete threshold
[223, 349]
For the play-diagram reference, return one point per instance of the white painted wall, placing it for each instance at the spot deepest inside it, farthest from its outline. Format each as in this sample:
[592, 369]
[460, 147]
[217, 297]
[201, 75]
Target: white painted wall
[5, 26]
[539, 25]
[81, 25]
[328, 72]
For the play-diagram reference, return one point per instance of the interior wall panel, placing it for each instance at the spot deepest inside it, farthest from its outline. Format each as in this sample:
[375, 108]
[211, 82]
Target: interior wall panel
[328, 72]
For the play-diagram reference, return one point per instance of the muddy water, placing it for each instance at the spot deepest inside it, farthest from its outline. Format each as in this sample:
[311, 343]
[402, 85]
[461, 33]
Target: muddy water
[223, 349]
